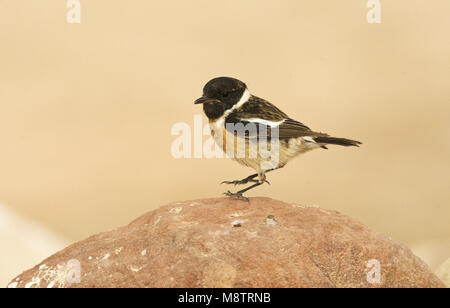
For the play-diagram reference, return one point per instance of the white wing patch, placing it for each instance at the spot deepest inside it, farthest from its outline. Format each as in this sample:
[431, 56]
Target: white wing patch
[309, 139]
[265, 122]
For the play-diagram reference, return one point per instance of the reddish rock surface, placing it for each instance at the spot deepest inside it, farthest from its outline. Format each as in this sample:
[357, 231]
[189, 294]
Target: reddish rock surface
[230, 243]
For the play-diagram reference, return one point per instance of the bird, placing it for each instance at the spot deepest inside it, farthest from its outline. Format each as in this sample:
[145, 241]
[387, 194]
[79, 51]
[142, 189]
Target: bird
[253, 131]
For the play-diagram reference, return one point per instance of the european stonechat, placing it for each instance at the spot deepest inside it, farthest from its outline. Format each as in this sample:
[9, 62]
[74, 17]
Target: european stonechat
[240, 121]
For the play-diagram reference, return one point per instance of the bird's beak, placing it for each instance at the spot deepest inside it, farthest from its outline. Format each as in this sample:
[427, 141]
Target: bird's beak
[205, 99]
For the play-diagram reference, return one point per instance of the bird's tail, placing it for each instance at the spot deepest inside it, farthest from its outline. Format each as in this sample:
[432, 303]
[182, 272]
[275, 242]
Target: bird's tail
[338, 141]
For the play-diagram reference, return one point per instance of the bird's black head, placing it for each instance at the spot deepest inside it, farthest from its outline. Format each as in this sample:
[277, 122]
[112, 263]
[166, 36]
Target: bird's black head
[221, 94]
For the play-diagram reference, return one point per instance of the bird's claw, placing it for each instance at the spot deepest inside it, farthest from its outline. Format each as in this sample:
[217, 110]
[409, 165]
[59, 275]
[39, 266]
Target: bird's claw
[237, 195]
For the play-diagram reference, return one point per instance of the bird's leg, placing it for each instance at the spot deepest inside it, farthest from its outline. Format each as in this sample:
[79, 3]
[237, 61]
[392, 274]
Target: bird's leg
[250, 178]
[239, 194]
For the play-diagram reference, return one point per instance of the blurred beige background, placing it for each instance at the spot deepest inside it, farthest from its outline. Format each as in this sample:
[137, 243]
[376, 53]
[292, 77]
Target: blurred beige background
[86, 109]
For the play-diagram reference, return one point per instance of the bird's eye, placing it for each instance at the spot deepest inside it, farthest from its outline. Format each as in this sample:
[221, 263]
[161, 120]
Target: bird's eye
[225, 94]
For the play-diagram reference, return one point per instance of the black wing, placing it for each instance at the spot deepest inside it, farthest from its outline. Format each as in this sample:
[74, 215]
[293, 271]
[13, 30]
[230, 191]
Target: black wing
[259, 109]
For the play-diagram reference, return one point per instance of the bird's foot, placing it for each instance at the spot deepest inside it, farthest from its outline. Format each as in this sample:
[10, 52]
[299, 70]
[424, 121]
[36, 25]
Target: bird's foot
[237, 195]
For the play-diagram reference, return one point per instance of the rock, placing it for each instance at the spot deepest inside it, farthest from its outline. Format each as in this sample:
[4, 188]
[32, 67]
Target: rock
[24, 242]
[443, 272]
[433, 251]
[230, 243]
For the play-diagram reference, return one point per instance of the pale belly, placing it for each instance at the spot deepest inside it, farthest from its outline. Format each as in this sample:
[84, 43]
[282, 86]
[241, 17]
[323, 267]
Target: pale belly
[261, 156]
